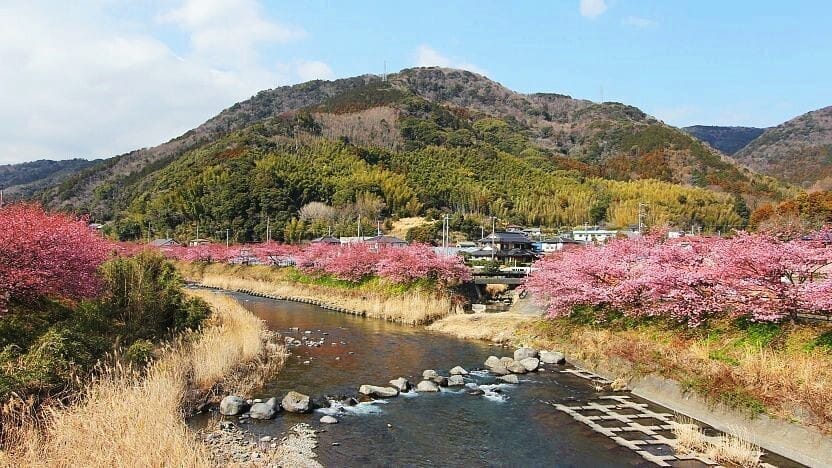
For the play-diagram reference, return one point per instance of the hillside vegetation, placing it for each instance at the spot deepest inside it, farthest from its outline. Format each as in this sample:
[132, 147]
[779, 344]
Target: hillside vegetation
[798, 151]
[729, 140]
[424, 141]
[24, 179]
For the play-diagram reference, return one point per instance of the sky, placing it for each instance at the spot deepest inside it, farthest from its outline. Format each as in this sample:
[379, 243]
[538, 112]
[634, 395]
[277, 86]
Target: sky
[97, 78]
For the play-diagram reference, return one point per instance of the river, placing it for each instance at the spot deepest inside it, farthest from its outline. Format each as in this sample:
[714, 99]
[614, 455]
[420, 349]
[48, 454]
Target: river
[515, 427]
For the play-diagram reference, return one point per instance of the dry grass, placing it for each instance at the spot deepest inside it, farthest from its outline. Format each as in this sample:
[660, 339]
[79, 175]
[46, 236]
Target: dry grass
[496, 327]
[413, 308]
[786, 380]
[402, 225]
[131, 419]
[727, 449]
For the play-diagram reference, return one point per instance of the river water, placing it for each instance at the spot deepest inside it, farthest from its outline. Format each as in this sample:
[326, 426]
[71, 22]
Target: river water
[516, 427]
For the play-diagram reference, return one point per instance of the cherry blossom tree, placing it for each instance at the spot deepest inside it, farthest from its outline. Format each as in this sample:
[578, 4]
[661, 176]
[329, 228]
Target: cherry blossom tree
[47, 254]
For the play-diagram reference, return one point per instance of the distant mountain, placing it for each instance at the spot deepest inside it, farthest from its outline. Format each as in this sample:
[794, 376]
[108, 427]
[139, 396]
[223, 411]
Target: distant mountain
[24, 179]
[425, 139]
[729, 140]
[798, 151]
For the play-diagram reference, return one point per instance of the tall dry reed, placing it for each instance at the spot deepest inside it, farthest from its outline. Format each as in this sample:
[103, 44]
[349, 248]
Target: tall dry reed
[131, 419]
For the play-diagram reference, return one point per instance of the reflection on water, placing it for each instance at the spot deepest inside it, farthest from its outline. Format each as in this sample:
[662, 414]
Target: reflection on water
[508, 426]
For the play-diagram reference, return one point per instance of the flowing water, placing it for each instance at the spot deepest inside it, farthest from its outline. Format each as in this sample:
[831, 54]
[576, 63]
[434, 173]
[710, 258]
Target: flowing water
[511, 425]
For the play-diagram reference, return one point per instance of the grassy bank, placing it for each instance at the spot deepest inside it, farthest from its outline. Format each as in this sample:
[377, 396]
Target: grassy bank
[416, 303]
[495, 327]
[132, 417]
[781, 370]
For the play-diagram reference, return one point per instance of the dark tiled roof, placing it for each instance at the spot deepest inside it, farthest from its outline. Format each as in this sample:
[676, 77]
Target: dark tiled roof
[385, 240]
[515, 237]
[326, 240]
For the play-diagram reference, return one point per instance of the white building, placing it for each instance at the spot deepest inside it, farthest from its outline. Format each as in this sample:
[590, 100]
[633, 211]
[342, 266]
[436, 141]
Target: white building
[593, 234]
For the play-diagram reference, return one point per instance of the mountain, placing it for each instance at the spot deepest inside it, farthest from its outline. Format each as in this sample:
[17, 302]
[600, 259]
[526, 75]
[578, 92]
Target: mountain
[421, 141]
[729, 140]
[798, 151]
[24, 179]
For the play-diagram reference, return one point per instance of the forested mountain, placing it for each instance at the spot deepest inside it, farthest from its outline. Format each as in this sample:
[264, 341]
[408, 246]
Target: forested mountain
[729, 140]
[24, 179]
[798, 151]
[422, 141]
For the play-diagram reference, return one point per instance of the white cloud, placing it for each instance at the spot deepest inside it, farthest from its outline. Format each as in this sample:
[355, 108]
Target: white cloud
[308, 70]
[592, 8]
[638, 22]
[429, 57]
[79, 82]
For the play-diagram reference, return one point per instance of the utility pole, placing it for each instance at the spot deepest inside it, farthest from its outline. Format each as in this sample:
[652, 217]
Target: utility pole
[493, 235]
[359, 227]
[641, 216]
[227, 231]
[1, 198]
[148, 231]
[446, 224]
[268, 229]
[378, 227]
[197, 232]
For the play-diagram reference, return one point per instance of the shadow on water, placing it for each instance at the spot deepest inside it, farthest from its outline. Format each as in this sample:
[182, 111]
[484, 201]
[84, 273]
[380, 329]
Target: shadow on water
[452, 428]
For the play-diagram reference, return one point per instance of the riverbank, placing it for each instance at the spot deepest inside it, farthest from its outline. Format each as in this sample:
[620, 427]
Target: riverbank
[132, 417]
[773, 380]
[408, 304]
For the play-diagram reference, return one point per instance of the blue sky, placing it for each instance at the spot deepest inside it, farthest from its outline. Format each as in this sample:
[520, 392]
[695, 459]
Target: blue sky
[96, 78]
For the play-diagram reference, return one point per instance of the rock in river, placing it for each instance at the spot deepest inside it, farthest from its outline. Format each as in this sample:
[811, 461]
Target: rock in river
[516, 368]
[531, 364]
[329, 420]
[378, 392]
[506, 361]
[442, 381]
[456, 381]
[458, 370]
[511, 379]
[429, 374]
[499, 369]
[232, 405]
[427, 386]
[401, 383]
[523, 353]
[552, 357]
[265, 410]
[295, 402]
[492, 361]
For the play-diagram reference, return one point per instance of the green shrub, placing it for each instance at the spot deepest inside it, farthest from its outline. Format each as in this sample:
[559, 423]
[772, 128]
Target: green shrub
[140, 352]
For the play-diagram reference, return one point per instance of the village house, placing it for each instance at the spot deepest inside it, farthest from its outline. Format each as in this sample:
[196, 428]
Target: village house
[162, 243]
[555, 244]
[382, 241]
[331, 240]
[593, 234]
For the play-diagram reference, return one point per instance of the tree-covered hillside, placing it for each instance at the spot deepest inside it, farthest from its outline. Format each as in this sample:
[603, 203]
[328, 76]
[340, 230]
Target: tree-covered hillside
[426, 140]
[729, 140]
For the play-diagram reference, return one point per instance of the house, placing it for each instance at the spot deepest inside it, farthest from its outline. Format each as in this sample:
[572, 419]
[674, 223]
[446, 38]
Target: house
[593, 234]
[326, 240]
[505, 240]
[508, 256]
[382, 241]
[533, 233]
[555, 244]
[162, 243]
[197, 242]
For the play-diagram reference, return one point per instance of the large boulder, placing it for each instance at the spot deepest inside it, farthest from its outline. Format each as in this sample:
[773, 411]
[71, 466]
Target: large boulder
[523, 353]
[429, 374]
[456, 381]
[401, 383]
[295, 402]
[499, 369]
[232, 405]
[552, 357]
[531, 364]
[506, 361]
[516, 368]
[510, 379]
[427, 386]
[378, 392]
[441, 380]
[265, 410]
[458, 370]
[492, 361]
[328, 420]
